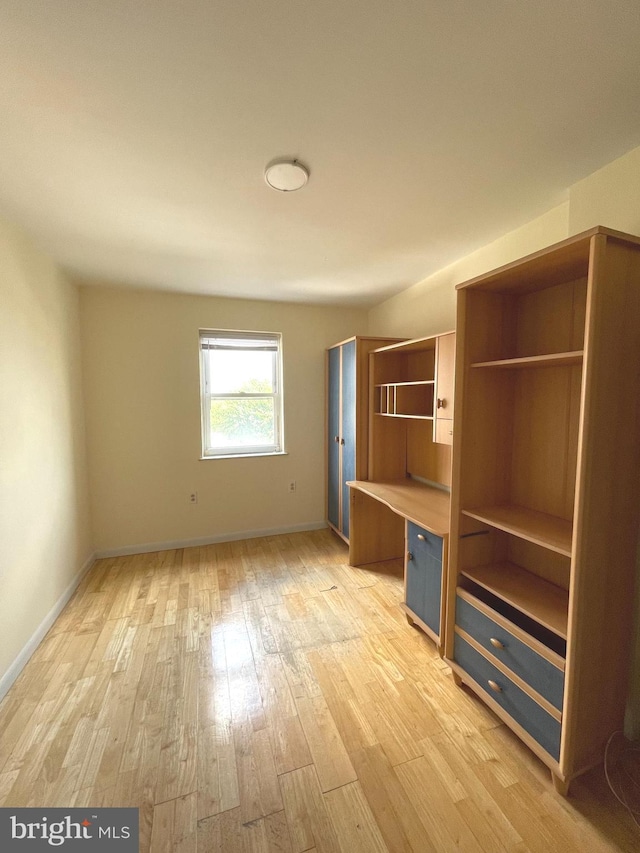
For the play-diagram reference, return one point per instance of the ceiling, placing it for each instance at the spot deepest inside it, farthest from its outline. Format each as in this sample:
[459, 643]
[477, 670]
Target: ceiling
[134, 133]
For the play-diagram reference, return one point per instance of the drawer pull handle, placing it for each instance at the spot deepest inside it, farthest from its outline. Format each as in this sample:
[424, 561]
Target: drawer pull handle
[409, 556]
[422, 537]
[441, 403]
[495, 686]
[497, 644]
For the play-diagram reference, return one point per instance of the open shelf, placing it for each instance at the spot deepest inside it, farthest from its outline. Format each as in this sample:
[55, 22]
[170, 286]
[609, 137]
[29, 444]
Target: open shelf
[399, 415]
[537, 527]
[414, 382]
[407, 399]
[558, 359]
[418, 345]
[538, 599]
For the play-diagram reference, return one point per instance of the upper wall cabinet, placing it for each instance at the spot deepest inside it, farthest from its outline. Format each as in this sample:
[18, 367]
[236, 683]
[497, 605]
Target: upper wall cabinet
[545, 494]
[444, 400]
[347, 423]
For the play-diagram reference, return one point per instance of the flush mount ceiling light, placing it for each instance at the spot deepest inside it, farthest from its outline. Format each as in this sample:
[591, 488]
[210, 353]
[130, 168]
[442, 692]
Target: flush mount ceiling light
[286, 175]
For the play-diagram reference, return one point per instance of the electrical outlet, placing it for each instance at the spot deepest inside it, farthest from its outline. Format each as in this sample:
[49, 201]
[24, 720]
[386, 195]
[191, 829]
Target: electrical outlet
[292, 486]
[193, 498]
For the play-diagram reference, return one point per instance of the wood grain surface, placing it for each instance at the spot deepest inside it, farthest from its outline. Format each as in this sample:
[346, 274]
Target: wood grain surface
[265, 696]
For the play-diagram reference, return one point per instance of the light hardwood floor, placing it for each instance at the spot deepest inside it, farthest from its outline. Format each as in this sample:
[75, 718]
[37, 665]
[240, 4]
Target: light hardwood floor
[264, 696]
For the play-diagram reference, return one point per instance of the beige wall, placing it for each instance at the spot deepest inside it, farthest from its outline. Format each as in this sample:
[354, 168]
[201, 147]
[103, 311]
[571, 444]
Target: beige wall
[44, 520]
[609, 197]
[141, 373]
[429, 307]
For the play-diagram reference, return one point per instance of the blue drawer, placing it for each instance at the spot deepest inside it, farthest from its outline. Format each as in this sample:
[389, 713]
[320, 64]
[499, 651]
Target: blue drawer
[531, 716]
[545, 678]
[428, 543]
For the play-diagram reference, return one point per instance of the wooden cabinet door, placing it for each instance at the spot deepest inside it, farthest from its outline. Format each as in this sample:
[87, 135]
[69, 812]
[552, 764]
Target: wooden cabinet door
[443, 409]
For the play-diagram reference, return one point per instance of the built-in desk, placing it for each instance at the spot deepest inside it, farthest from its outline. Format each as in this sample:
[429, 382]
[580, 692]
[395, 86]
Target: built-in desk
[376, 533]
[407, 519]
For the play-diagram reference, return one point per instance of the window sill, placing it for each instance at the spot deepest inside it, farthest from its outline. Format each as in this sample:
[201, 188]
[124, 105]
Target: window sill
[243, 455]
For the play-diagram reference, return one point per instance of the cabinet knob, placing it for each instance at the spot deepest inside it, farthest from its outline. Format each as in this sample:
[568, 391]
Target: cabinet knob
[494, 686]
[497, 644]
[342, 441]
[336, 438]
[409, 556]
[441, 403]
[422, 537]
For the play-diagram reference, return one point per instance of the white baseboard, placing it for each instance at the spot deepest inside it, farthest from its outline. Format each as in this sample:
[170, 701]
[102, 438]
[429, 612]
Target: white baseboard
[208, 540]
[36, 638]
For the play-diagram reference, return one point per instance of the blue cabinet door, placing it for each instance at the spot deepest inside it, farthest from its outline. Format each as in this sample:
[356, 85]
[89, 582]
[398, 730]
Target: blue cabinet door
[348, 432]
[333, 455]
[424, 575]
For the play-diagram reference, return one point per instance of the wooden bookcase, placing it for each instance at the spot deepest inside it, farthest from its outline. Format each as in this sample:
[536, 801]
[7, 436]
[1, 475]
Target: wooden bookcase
[546, 494]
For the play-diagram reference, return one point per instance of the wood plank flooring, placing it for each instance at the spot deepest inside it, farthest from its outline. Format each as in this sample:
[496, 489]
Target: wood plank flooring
[264, 696]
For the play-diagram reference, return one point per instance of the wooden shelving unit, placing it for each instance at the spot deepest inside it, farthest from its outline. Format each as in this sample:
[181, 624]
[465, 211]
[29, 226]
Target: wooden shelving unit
[545, 472]
[411, 417]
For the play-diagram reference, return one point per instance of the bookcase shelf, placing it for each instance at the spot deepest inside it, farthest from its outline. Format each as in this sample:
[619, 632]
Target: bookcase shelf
[417, 382]
[533, 361]
[537, 527]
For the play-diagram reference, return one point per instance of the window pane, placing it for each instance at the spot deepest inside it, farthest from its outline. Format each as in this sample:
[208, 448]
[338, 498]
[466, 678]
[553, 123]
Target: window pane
[242, 423]
[232, 372]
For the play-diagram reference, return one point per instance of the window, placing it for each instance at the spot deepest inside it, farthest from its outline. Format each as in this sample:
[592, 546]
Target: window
[241, 391]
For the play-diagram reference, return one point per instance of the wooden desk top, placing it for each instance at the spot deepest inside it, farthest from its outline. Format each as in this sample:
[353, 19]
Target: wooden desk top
[424, 505]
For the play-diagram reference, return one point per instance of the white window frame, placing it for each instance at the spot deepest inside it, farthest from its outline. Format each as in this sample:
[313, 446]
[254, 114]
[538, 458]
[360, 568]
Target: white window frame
[222, 339]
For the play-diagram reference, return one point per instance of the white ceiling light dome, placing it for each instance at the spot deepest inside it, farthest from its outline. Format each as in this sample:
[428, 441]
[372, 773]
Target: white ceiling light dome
[286, 175]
